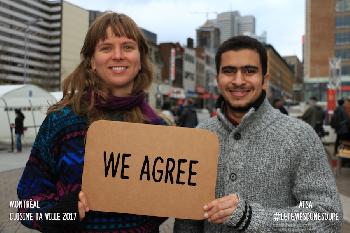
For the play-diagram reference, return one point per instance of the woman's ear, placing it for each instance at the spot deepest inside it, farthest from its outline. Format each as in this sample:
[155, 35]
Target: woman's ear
[93, 64]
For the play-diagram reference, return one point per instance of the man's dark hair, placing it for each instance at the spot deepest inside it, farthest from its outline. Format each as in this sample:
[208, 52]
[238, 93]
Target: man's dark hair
[237, 43]
[274, 102]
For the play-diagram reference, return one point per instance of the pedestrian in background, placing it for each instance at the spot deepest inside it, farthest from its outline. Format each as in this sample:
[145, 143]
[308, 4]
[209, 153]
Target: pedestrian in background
[338, 116]
[340, 121]
[19, 129]
[278, 104]
[109, 83]
[269, 163]
[188, 116]
[167, 114]
[315, 116]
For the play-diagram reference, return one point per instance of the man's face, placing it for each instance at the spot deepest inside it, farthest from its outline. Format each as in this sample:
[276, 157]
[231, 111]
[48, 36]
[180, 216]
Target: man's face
[240, 79]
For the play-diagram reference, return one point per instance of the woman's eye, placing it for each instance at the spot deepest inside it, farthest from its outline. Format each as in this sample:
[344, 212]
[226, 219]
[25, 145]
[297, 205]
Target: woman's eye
[105, 49]
[129, 47]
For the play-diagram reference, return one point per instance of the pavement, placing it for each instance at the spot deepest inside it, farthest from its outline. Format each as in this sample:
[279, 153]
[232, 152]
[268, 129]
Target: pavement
[11, 168]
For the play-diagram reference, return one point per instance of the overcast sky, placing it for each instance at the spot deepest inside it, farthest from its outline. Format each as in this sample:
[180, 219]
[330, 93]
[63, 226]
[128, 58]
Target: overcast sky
[175, 20]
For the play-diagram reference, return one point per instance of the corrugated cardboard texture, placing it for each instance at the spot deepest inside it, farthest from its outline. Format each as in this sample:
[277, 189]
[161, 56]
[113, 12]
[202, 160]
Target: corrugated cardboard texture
[181, 182]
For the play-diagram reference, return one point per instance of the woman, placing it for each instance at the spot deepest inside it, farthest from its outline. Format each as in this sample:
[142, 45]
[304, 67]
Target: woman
[109, 83]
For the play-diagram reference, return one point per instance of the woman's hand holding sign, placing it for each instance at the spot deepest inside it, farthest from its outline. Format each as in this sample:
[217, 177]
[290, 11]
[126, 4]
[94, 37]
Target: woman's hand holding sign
[219, 210]
[82, 205]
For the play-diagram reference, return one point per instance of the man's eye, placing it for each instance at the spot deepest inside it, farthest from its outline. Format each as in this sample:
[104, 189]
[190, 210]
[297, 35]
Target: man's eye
[228, 70]
[250, 70]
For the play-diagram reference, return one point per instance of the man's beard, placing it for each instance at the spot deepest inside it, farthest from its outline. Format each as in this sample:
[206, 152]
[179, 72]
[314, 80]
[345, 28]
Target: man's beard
[243, 109]
[240, 109]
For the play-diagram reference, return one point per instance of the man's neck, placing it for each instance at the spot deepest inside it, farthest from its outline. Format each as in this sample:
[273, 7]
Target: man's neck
[234, 117]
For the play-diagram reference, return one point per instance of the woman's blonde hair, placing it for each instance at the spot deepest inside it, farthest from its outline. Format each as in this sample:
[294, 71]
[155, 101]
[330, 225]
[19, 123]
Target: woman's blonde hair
[82, 85]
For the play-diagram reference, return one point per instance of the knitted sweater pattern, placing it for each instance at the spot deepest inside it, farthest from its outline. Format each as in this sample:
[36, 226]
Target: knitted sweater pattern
[55, 168]
[273, 162]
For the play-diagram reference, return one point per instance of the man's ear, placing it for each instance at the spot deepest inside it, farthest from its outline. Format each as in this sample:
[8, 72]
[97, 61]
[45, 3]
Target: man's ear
[265, 81]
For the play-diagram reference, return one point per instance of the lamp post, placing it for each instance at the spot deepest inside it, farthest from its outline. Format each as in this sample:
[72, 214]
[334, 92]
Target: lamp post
[28, 24]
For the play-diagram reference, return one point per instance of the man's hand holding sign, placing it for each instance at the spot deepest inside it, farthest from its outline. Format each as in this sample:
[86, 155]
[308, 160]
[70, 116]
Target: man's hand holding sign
[149, 170]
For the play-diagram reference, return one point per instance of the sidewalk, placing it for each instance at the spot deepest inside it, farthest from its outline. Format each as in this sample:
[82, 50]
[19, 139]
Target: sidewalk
[12, 160]
[11, 168]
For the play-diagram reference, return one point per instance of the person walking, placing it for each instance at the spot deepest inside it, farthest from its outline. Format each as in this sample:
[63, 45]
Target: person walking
[271, 168]
[338, 117]
[19, 129]
[340, 121]
[314, 116]
[188, 116]
[278, 104]
[167, 115]
[109, 83]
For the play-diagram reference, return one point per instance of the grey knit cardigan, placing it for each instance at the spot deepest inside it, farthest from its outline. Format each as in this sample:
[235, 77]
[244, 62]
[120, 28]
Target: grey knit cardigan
[273, 162]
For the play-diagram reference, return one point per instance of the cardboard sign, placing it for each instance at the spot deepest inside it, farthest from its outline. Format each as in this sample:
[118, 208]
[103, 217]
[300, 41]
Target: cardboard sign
[151, 170]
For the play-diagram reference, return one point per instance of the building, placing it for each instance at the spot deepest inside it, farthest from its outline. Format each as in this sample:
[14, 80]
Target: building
[75, 24]
[297, 68]
[171, 55]
[228, 24]
[262, 38]
[150, 36]
[154, 95]
[30, 42]
[200, 74]
[233, 24]
[322, 43]
[208, 35]
[246, 24]
[281, 75]
[189, 70]
[40, 41]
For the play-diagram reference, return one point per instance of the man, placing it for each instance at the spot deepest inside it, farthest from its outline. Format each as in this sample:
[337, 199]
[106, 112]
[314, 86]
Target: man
[19, 129]
[278, 104]
[188, 116]
[270, 166]
[340, 121]
[314, 116]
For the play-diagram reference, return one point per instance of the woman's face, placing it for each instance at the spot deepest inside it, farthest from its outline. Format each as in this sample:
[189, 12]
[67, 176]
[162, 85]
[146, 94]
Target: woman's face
[117, 61]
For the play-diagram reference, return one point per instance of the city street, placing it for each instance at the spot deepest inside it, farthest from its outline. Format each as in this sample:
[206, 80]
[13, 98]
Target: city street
[11, 167]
